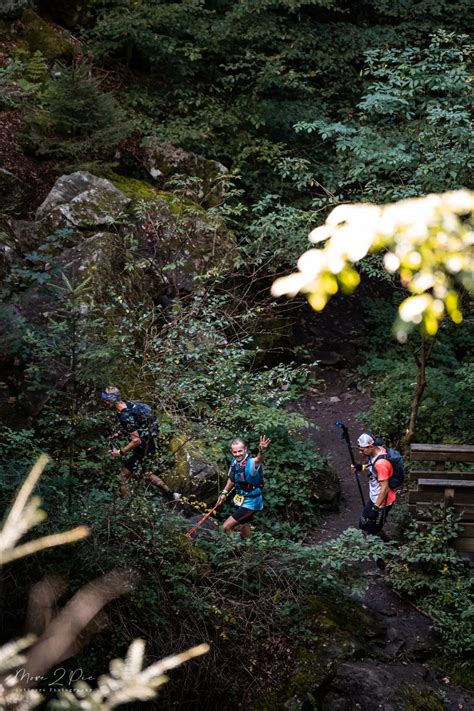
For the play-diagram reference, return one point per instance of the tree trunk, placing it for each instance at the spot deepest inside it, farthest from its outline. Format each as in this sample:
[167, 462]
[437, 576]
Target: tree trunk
[421, 362]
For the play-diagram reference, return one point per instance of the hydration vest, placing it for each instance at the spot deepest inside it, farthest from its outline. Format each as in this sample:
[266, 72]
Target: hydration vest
[143, 414]
[246, 482]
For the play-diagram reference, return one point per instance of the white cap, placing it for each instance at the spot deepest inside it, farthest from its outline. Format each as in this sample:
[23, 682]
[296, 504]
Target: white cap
[365, 440]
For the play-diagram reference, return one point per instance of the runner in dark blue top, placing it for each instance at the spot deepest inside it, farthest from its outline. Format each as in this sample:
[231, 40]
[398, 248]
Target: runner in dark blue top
[141, 427]
[246, 476]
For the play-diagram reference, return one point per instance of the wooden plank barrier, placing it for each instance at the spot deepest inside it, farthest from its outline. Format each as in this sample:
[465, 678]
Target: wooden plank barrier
[441, 485]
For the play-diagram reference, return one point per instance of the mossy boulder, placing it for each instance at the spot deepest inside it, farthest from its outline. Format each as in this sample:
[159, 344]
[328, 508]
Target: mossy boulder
[335, 633]
[133, 188]
[83, 201]
[100, 257]
[43, 37]
[372, 684]
[186, 240]
[202, 180]
[192, 473]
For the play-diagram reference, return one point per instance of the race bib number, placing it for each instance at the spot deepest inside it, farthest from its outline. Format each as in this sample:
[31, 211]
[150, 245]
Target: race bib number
[238, 499]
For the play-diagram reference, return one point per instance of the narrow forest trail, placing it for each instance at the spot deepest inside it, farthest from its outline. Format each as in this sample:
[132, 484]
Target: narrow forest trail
[399, 652]
[340, 401]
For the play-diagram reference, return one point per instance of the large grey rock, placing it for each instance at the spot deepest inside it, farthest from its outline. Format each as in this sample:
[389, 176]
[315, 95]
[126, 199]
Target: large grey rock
[371, 684]
[164, 161]
[192, 474]
[82, 200]
[361, 685]
[25, 235]
[185, 236]
[13, 8]
[100, 257]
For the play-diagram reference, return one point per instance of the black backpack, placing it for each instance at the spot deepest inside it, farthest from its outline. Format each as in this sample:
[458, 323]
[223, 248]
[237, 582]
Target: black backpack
[396, 460]
[145, 417]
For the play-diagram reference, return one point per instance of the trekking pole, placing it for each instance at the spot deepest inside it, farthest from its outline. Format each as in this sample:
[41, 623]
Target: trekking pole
[345, 436]
[206, 516]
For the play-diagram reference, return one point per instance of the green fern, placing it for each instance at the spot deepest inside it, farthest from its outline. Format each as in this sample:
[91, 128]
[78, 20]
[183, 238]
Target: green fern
[36, 68]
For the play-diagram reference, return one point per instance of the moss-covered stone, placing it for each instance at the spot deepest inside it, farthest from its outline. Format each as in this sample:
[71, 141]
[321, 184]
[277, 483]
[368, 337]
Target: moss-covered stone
[41, 36]
[100, 257]
[187, 241]
[138, 190]
[131, 187]
[335, 632]
[203, 180]
[81, 200]
[179, 205]
[192, 474]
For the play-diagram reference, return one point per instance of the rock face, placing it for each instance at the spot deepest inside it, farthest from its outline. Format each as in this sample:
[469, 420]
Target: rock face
[13, 8]
[43, 37]
[100, 257]
[184, 236]
[204, 180]
[372, 684]
[82, 200]
[192, 474]
[166, 247]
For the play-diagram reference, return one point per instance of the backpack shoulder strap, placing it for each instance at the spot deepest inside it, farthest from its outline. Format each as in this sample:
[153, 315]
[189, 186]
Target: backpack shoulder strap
[231, 470]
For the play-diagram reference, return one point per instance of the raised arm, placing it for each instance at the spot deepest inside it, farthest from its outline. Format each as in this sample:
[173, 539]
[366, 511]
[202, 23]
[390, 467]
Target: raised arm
[263, 444]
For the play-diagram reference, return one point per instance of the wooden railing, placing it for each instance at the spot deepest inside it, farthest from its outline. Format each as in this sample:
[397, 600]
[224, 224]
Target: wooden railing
[438, 484]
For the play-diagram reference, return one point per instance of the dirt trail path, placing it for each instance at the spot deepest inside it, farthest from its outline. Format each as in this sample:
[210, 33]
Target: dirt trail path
[405, 631]
[340, 401]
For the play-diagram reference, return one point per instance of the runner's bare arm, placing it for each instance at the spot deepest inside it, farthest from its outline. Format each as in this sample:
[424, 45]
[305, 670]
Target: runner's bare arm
[135, 441]
[223, 495]
[384, 489]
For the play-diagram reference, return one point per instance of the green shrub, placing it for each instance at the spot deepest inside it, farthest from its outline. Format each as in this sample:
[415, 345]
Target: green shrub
[424, 567]
[76, 119]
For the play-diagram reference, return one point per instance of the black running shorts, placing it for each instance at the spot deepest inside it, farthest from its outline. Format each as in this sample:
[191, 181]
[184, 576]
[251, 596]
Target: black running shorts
[140, 456]
[243, 515]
